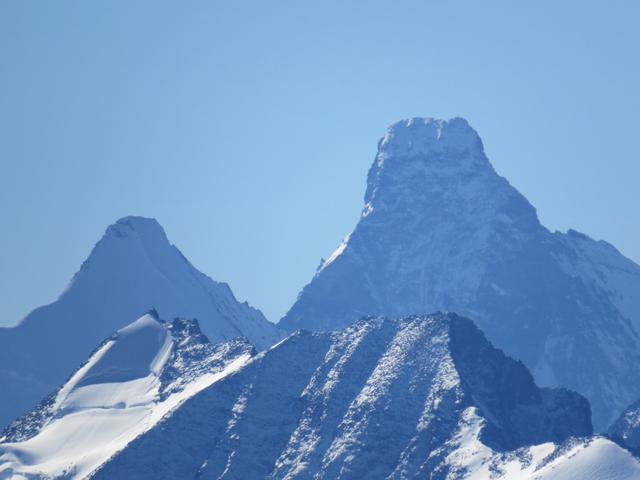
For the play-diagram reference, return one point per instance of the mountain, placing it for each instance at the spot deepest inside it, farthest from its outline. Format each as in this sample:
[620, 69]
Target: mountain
[626, 429]
[419, 397]
[137, 376]
[131, 270]
[442, 231]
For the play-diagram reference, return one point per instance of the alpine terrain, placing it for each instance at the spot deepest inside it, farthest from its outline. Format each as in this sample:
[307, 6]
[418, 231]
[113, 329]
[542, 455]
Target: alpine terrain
[131, 270]
[442, 231]
[626, 429]
[138, 375]
[196, 385]
[418, 397]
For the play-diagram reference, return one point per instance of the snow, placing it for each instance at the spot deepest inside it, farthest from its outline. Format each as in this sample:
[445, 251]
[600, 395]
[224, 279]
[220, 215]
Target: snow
[587, 459]
[335, 254]
[82, 440]
[139, 352]
[470, 453]
[605, 269]
[136, 251]
[111, 400]
[598, 460]
[130, 271]
[384, 398]
[442, 231]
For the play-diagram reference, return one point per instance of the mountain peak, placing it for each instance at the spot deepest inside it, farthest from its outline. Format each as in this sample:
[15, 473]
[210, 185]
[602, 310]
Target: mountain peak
[132, 269]
[413, 133]
[423, 136]
[441, 230]
[414, 150]
[423, 396]
[136, 226]
[130, 239]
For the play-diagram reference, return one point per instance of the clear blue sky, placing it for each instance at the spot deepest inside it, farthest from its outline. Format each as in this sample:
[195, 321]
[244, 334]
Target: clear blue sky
[247, 128]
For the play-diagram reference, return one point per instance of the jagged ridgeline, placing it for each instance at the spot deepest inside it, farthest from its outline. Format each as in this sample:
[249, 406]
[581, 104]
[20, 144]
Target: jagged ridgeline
[441, 231]
[134, 378]
[375, 386]
[418, 397]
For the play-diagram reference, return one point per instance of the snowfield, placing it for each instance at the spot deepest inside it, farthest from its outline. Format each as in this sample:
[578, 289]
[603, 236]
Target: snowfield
[592, 459]
[113, 398]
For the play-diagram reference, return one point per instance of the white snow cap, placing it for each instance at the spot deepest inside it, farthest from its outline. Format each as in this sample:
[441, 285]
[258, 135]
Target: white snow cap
[426, 147]
[413, 136]
[142, 227]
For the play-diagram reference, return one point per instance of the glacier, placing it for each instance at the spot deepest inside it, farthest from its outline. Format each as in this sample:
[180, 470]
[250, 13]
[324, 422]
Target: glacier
[133, 379]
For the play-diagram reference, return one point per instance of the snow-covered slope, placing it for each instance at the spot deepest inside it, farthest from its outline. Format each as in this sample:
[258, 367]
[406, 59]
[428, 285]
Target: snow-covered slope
[440, 230]
[418, 397]
[127, 385]
[131, 270]
[577, 459]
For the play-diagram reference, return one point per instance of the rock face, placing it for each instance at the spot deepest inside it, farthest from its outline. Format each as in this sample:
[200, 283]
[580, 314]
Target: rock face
[626, 429]
[131, 270]
[410, 398]
[134, 378]
[441, 230]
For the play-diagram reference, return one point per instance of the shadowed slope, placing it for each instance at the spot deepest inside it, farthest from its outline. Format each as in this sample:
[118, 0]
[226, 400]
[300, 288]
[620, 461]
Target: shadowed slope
[440, 230]
[379, 398]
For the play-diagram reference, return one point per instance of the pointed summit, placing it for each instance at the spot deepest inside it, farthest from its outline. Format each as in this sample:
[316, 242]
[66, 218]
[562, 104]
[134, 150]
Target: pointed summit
[131, 270]
[142, 235]
[430, 137]
[442, 231]
[143, 226]
[422, 147]
[435, 171]
[147, 231]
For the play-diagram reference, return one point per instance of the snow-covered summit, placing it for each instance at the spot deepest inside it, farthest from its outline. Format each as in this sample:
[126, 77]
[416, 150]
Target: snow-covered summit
[143, 227]
[417, 397]
[144, 234]
[132, 269]
[419, 146]
[133, 379]
[418, 136]
[441, 230]
[138, 350]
